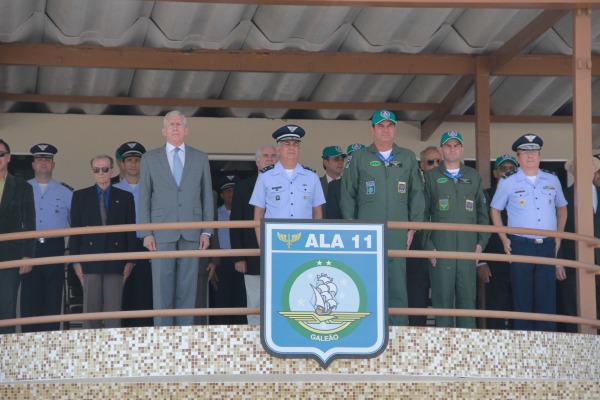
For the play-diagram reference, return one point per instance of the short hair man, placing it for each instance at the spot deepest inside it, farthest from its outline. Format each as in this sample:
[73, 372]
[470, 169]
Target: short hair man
[566, 289]
[496, 274]
[417, 269]
[454, 194]
[533, 198]
[102, 204]
[137, 291]
[175, 186]
[42, 288]
[287, 189]
[245, 238]
[334, 192]
[17, 214]
[430, 158]
[333, 164]
[382, 183]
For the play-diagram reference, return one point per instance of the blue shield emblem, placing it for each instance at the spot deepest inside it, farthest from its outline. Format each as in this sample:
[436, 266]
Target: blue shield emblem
[323, 290]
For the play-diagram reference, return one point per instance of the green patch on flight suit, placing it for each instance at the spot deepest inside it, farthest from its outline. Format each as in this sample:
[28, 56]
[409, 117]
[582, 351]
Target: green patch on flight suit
[375, 163]
[444, 204]
[442, 180]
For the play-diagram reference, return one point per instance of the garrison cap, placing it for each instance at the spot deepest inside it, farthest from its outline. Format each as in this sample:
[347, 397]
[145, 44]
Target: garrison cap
[528, 142]
[226, 182]
[333, 151]
[383, 115]
[288, 132]
[451, 135]
[503, 158]
[353, 147]
[43, 150]
[129, 149]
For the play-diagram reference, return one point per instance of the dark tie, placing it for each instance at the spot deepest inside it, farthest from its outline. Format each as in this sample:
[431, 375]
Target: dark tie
[102, 207]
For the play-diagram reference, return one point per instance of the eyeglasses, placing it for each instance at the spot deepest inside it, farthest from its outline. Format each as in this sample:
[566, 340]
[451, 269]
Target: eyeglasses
[530, 152]
[97, 170]
[506, 168]
[3, 153]
[434, 161]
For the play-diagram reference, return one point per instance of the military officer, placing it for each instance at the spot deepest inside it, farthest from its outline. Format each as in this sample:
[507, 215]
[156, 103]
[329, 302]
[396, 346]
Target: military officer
[382, 183]
[334, 192]
[533, 198]
[42, 288]
[454, 194]
[333, 164]
[287, 189]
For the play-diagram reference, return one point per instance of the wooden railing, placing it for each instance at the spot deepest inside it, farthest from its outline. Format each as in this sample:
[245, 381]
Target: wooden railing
[590, 269]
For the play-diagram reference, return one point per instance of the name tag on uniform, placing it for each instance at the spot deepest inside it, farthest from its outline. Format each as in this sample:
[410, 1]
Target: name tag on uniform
[469, 205]
[395, 164]
[464, 180]
[370, 187]
[401, 187]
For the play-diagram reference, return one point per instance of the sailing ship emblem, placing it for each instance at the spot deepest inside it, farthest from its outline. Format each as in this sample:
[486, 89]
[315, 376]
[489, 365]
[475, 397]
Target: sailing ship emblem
[323, 318]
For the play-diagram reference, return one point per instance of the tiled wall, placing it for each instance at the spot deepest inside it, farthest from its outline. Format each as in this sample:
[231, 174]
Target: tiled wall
[229, 362]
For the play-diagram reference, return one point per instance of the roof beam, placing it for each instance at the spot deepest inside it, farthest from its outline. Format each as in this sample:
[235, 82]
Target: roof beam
[57, 55]
[214, 103]
[437, 117]
[514, 4]
[524, 38]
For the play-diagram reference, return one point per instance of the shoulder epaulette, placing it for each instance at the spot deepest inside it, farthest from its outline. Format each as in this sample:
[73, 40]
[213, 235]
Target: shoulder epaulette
[265, 169]
[511, 173]
[67, 186]
[548, 171]
[309, 168]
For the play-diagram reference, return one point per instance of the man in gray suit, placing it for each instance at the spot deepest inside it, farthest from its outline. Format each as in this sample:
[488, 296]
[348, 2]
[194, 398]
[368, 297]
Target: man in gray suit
[175, 186]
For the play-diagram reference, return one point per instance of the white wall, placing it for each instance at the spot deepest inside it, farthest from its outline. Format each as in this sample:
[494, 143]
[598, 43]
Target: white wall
[80, 137]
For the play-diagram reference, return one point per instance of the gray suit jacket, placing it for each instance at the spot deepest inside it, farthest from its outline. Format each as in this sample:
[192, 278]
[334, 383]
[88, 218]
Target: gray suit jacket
[161, 200]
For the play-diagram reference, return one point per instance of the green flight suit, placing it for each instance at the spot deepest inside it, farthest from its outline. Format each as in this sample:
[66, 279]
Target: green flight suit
[460, 200]
[378, 191]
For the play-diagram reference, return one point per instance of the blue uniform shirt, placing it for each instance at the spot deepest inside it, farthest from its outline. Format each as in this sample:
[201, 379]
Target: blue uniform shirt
[53, 207]
[285, 197]
[530, 205]
[135, 191]
[224, 215]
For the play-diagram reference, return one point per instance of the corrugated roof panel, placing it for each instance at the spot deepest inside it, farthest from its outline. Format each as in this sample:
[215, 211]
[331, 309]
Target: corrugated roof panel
[188, 25]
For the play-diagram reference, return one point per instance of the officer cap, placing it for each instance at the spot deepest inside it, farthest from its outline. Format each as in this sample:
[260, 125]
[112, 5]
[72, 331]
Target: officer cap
[508, 158]
[129, 149]
[288, 132]
[226, 182]
[43, 150]
[353, 147]
[333, 151]
[383, 115]
[528, 142]
[451, 135]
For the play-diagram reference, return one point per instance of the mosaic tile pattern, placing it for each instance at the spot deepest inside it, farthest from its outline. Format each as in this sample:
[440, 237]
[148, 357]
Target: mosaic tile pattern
[389, 390]
[200, 361]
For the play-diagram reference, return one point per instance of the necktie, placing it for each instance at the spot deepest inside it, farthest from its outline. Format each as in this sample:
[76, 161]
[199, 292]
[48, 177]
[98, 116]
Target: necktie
[102, 207]
[177, 166]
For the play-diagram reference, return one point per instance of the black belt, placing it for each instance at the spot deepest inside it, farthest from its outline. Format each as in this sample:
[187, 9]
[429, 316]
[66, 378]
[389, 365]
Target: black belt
[50, 240]
[530, 240]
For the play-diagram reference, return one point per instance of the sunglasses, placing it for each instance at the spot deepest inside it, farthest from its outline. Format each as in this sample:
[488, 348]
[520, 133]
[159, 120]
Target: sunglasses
[434, 161]
[3, 153]
[98, 169]
[506, 168]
